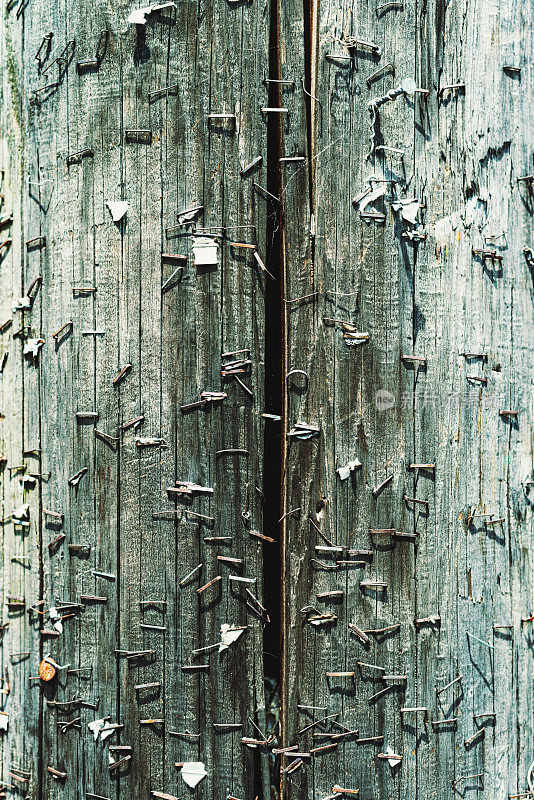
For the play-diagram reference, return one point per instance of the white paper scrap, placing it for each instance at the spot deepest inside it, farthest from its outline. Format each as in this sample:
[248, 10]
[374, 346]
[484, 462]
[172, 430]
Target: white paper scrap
[229, 635]
[138, 17]
[118, 209]
[21, 304]
[393, 758]
[50, 660]
[205, 251]
[344, 472]
[21, 514]
[193, 772]
[108, 729]
[378, 191]
[55, 619]
[96, 726]
[32, 347]
[409, 209]
[102, 728]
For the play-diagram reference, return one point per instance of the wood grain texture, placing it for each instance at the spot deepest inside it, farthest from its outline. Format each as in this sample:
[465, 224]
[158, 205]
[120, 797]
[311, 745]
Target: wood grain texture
[461, 153]
[127, 543]
[435, 561]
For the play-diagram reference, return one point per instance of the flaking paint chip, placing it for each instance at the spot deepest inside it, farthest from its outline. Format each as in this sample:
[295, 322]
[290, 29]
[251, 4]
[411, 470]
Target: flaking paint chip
[192, 772]
[4, 721]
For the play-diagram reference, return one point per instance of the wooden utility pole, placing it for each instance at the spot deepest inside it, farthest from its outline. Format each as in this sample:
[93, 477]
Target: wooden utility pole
[266, 260]
[405, 229]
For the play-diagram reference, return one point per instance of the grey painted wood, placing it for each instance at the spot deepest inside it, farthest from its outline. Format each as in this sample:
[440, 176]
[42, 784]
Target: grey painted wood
[214, 58]
[462, 154]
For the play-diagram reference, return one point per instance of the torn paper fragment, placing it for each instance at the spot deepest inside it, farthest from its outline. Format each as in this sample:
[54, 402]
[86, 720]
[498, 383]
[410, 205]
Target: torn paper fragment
[357, 200]
[340, 790]
[102, 728]
[213, 397]
[409, 209]
[205, 251]
[163, 795]
[21, 515]
[138, 17]
[344, 472]
[74, 481]
[378, 191]
[193, 772]
[353, 337]
[189, 214]
[322, 619]
[117, 208]
[108, 729]
[416, 235]
[32, 347]
[50, 660]
[55, 619]
[4, 721]
[21, 304]
[392, 758]
[229, 635]
[96, 726]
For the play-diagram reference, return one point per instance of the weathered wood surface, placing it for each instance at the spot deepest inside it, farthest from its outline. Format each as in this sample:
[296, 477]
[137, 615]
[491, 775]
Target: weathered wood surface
[459, 588]
[462, 152]
[214, 59]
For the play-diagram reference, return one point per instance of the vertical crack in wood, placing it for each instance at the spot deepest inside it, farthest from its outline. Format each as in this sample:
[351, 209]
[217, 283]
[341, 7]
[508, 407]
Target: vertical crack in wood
[274, 371]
